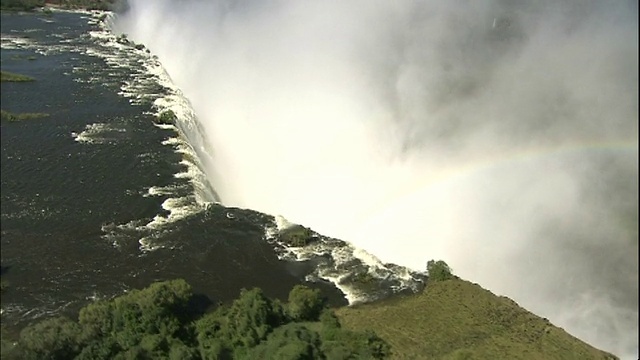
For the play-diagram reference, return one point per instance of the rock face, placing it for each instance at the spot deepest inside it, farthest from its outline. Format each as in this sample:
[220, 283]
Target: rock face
[455, 319]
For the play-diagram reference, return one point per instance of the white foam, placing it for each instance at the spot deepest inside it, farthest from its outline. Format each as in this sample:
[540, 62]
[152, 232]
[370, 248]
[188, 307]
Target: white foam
[351, 296]
[11, 42]
[150, 85]
[147, 245]
[282, 223]
[162, 190]
[53, 8]
[178, 208]
[173, 141]
[346, 262]
[95, 296]
[165, 127]
[97, 133]
[148, 74]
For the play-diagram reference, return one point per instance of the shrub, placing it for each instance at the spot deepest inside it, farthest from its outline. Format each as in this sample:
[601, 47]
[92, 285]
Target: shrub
[167, 117]
[329, 320]
[305, 304]
[154, 323]
[297, 236]
[343, 344]
[438, 270]
[291, 341]
[54, 338]
[244, 325]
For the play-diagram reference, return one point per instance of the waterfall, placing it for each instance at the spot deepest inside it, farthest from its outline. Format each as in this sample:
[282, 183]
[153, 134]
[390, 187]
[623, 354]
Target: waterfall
[501, 137]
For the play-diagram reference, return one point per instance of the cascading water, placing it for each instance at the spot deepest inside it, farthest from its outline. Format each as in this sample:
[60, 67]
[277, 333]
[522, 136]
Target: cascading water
[500, 137]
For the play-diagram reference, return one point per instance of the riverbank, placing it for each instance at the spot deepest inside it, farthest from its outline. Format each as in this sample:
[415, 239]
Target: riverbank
[35, 5]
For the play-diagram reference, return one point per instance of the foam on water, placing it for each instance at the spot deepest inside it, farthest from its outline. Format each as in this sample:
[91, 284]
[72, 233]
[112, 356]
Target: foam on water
[360, 276]
[98, 133]
[11, 42]
[162, 190]
[148, 85]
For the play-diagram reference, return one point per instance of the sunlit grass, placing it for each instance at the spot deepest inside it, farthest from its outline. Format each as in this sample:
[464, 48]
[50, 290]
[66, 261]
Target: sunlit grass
[455, 319]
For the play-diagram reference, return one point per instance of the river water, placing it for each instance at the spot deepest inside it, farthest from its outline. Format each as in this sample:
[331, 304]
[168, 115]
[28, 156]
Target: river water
[98, 199]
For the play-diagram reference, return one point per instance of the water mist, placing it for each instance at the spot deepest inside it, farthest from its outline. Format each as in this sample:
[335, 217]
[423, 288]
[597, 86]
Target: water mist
[499, 136]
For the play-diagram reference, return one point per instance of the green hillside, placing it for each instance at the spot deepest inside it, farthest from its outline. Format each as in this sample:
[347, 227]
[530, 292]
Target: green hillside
[456, 319]
[450, 319]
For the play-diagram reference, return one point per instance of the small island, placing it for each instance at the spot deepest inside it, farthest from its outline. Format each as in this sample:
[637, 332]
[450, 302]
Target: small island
[6, 116]
[6, 76]
[14, 117]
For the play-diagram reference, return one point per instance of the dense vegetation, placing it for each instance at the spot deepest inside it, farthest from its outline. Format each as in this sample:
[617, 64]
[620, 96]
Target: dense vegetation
[455, 319]
[160, 322]
[21, 5]
[451, 319]
[297, 236]
[167, 117]
[439, 271]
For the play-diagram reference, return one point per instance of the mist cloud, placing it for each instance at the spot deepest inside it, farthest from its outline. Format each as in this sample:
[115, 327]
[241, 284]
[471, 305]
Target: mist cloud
[500, 136]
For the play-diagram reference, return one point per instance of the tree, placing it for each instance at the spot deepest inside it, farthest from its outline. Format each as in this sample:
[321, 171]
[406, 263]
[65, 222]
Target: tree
[438, 270]
[291, 341]
[167, 117]
[236, 329]
[305, 304]
[154, 323]
[54, 338]
[329, 319]
[338, 343]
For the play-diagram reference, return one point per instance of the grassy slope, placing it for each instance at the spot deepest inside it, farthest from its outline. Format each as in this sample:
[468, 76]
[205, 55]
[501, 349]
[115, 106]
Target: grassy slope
[456, 319]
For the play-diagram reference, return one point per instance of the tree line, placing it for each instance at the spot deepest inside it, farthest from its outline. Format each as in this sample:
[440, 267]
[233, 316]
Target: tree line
[162, 322]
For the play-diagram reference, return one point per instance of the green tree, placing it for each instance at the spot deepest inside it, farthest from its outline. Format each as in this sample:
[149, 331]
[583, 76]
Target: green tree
[54, 338]
[167, 117]
[329, 320]
[210, 332]
[154, 323]
[438, 271]
[102, 349]
[243, 325]
[149, 321]
[343, 344]
[305, 304]
[292, 341]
